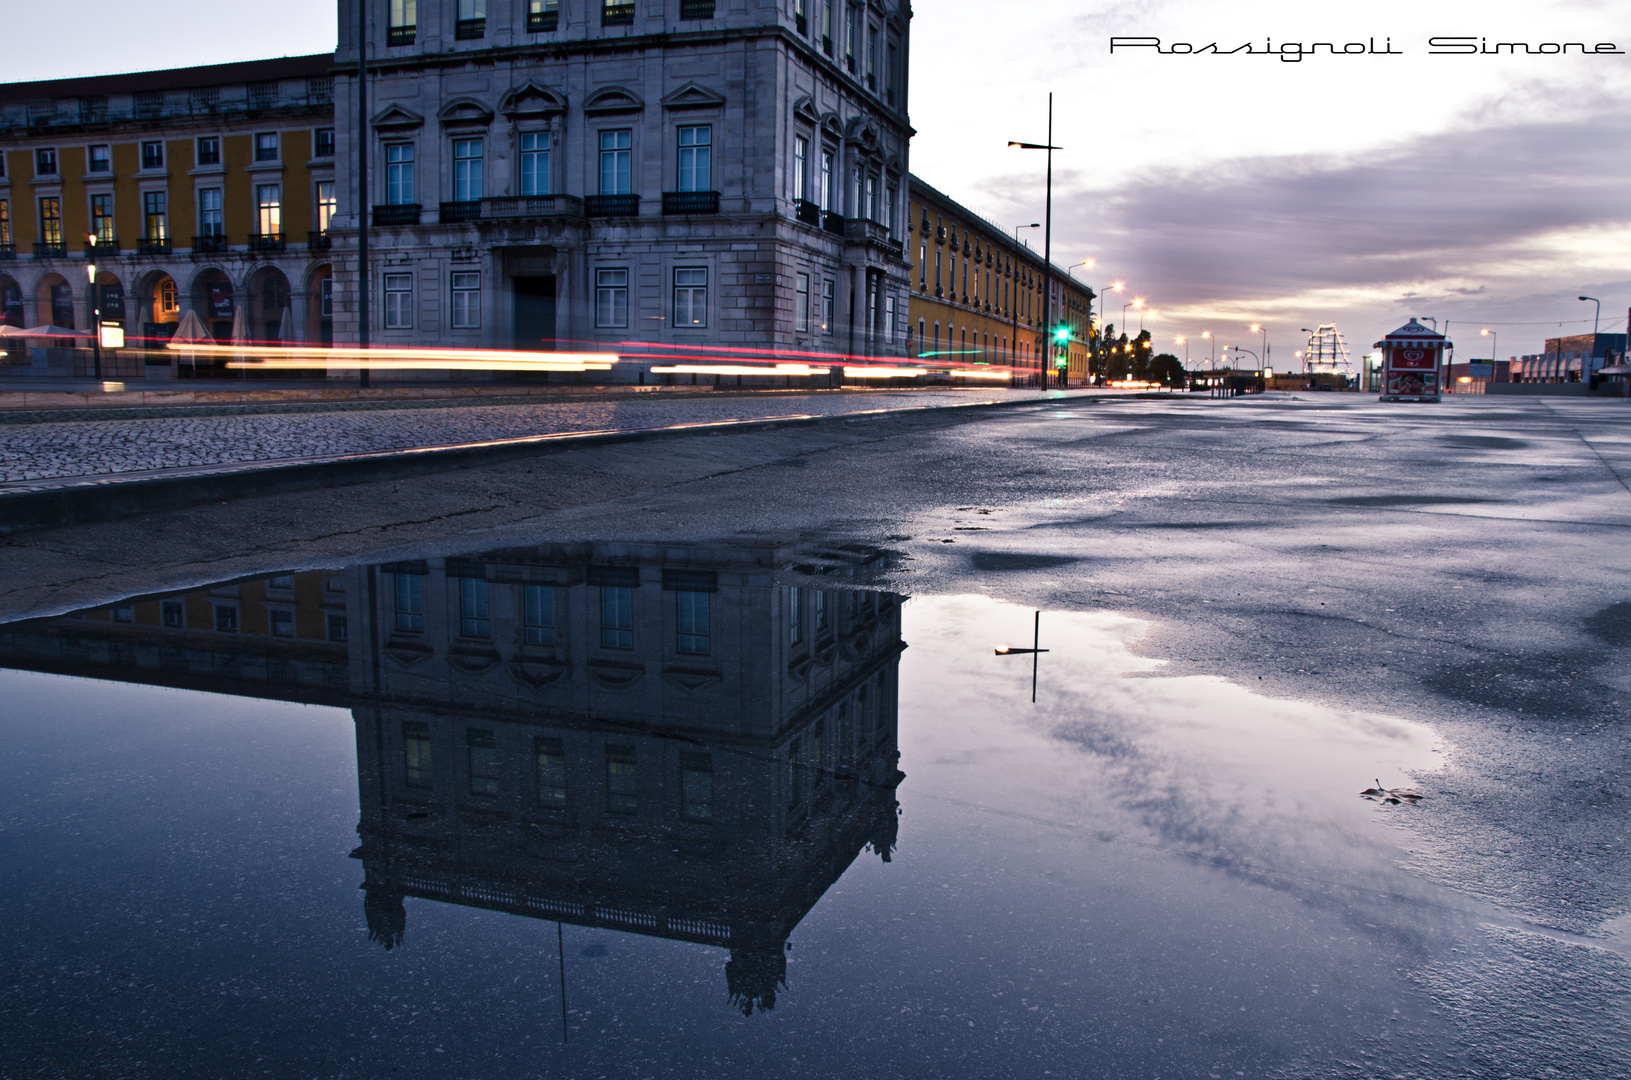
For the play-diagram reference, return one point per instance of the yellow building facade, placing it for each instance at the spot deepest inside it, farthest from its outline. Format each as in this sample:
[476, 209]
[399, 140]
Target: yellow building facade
[977, 296]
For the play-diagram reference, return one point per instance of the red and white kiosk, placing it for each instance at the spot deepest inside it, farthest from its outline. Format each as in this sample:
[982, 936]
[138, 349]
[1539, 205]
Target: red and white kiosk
[1412, 358]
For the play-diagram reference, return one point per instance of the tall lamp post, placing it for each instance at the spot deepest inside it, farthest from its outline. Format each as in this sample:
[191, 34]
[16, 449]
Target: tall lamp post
[1257, 328]
[1104, 352]
[1211, 363]
[1495, 348]
[1047, 235]
[362, 129]
[95, 306]
[1585, 365]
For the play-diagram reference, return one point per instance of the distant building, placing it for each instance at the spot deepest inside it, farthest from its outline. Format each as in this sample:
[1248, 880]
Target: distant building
[1566, 357]
[977, 294]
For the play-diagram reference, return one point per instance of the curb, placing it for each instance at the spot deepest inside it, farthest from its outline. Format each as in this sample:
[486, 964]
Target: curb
[110, 497]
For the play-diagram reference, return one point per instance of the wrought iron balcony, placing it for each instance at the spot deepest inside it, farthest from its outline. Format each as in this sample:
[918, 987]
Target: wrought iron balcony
[808, 212]
[266, 241]
[469, 29]
[696, 9]
[319, 240]
[542, 21]
[464, 210]
[832, 221]
[617, 15]
[105, 249]
[213, 244]
[8, 250]
[690, 202]
[50, 249]
[611, 205]
[153, 245]
[400, 35]
[397, 214]
[533, 206]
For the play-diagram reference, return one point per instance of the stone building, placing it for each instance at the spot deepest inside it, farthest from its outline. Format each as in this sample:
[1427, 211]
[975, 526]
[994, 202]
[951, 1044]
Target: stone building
[667, 173]
[206, 188]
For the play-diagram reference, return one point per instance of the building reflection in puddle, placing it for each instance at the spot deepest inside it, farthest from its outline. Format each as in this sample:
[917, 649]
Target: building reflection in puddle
[684, 742]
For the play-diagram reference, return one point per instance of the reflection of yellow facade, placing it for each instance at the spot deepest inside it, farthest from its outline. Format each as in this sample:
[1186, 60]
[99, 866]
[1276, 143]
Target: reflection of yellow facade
[207, 189]
[977, 294]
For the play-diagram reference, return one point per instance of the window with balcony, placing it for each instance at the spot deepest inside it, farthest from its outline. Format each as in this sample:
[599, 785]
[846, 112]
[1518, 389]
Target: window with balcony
[696, 158]
[209, 212]
[616, 13]
[690, 297]
[328, 204]
[266, 146]
[471, 20]
[268, 216]
[102, 218]
[467, 170]
[801, 167]
[153, 154]
[209, 150]
[322, 142]
[51, 221]
[617, 162]
[696, 9]
[611, 298]
[466, 301]
[155, 215]
[5, 234]
[852, 31]
[404, 19]
[98, 159]
[826, 26]
[535, 149]
[622, 782]
[890, 63]
[416, 754]
[825, 192]
[543, 16]
[551, 754]
[399, 174]
[399, 301]
[539, 614]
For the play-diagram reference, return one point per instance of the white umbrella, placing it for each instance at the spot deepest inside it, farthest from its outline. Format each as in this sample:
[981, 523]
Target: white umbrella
[46, 331]
[191, 330]
[285, 330]
[240, 325]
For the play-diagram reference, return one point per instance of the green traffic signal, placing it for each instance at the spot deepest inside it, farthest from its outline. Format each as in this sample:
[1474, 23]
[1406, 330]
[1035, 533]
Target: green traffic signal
[1061, 333]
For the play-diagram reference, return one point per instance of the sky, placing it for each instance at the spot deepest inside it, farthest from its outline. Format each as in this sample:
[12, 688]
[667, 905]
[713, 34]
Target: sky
[1484, 191]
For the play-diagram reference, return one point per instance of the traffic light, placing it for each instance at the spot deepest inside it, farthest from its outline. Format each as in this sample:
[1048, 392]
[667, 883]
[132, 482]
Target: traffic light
[1061, 333]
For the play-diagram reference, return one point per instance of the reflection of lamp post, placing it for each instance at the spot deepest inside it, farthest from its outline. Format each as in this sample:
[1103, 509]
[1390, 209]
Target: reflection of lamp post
[1585, 365]
[1047, 235]
[96, 307]
[1035, 652]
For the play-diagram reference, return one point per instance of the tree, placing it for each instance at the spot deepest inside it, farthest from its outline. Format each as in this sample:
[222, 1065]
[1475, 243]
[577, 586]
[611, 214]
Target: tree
[1167, 370]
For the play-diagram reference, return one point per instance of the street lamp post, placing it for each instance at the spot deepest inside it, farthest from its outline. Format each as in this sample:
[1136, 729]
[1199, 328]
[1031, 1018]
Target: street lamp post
[1495, 347]
[95, 306]
[1585, 365]
[363, 130]
[1047, 235]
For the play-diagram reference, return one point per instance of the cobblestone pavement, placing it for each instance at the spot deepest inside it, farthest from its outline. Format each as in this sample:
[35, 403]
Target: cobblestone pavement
[98, 447]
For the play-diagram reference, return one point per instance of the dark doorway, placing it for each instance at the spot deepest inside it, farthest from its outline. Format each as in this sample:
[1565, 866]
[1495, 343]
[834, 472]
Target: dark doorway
[535, 313]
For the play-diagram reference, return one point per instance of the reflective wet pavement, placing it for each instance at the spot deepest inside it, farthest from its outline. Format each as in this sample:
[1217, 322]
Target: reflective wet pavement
[614, 809]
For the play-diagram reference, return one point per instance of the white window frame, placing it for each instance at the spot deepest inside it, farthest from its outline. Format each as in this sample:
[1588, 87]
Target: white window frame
[276, 146]
[695, 148]
[829, 306]
[327, 204]
[617, 153]
[801, 167]
[801, 305]
[215, 223]
[91, 158]
[531, 157]
[690, 297]
[269, 209]
[466, 305]
[399, 173]
[467, 167]
[397, 307]
[612, 298]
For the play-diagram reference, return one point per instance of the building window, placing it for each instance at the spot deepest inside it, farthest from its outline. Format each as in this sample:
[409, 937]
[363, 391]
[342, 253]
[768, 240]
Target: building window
[398, 301]
[473, 622]
[466, 301]
[102, 218]
[325, 299]
[336, 627]
[226, 618]
[823, 613]
[472, 20]
[153, 155]
[266, 146]
[696, 787]
[280, 581]
[696, 158]
[871, 198]
[535, 163]
[209, 212]
[466, 170]
[543, 15]
[889, 74]
[410, 602]
[482, 746]
[399, 174]
[404, 19]
[155, 215]
[616, 161]
[612, 298]
[617, 13]
[282, 622]
[169, 298]
[801, 166]
[209, 150]
[696, 9]
[416, 754]
[801, 305]
[539, 602]
[872, 58]
[327, 205]
[51, 220]
[890, 194]
[691, 296]
[5, 238]
[98, 159]
[693, 624]
[45, 162]
[824, 195]
[551, 773]
[622, 791]
[616, 617]
[172, 614]
[269, 209]
[795, 615]
[829, 306]
[850, 36]
[826, 26]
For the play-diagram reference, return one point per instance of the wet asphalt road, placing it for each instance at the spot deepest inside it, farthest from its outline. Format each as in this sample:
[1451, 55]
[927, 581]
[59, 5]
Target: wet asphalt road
[1462, 566]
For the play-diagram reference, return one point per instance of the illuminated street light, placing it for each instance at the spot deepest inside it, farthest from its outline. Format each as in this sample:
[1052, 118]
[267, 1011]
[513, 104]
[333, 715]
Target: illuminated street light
[1047, 235]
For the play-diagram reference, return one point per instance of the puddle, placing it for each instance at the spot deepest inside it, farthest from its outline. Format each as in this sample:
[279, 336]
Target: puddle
[685, 810]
